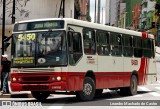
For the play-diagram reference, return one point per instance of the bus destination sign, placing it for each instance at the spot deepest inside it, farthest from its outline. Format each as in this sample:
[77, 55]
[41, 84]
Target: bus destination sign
[45, 25]
[39, 25]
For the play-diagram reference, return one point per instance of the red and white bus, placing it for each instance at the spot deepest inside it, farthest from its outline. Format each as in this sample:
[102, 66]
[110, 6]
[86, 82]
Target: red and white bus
[63, 54]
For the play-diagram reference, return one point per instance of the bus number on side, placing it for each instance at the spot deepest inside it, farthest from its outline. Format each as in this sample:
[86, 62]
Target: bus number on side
[134, 62]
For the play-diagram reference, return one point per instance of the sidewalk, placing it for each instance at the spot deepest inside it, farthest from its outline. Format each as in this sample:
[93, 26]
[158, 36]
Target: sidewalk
[20, 94]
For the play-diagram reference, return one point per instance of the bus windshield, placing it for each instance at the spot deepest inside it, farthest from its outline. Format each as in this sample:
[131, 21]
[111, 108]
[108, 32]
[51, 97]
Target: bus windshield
[39, 49]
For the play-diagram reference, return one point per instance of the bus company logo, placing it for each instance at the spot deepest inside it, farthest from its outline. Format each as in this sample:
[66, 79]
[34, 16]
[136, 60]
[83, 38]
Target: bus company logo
[6, 103]
[18, 103]
[134, 62]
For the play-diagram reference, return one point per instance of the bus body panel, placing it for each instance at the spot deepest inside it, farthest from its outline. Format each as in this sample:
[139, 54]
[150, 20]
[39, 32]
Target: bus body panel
[109, 71]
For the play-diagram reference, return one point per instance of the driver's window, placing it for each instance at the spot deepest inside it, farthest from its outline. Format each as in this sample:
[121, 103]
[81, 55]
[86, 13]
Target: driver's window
[74, 47]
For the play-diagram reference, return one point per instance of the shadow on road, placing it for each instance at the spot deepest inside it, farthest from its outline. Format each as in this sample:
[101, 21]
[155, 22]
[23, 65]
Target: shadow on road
[73, 101]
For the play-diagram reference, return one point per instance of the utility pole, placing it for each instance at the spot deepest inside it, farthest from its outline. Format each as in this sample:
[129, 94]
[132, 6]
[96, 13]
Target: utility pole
[3, 25]
[3, 34]
[95, 12]
[63, 8]
[61, 12]
[13, 12]
[98, 13]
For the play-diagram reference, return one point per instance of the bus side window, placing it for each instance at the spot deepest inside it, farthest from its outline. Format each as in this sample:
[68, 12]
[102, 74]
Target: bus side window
[74, 47]
[103, 47]
[153, 52]
[116, 44]
[137, 43]
[147, 48]
[127, 46]
[89, 41]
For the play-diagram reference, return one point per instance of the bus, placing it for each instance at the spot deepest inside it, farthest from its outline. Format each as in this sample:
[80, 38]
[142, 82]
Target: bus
[65, 54]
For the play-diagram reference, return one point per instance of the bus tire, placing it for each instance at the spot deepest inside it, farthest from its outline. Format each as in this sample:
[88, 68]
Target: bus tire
[132, 90]
[40, 96]
[88, 91]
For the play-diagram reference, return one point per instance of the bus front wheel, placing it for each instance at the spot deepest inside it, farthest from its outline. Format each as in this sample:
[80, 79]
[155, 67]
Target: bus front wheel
[40, 96]
[88, 91]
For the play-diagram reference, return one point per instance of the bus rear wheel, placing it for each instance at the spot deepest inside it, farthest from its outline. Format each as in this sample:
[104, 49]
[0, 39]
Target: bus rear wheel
[40, 96]
[132, 89]
[88, 91]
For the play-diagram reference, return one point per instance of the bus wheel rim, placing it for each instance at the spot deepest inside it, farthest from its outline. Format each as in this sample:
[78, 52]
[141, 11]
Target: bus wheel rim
[134, 85]
[87, 89]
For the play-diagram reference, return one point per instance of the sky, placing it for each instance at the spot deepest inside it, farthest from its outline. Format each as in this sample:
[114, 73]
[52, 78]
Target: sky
[92, 9]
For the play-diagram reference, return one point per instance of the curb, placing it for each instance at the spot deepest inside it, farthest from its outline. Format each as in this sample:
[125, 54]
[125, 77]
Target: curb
[17, 95]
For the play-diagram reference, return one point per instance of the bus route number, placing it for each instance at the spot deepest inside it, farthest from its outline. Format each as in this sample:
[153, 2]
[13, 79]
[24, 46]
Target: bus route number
[134, 62]
[29, 37]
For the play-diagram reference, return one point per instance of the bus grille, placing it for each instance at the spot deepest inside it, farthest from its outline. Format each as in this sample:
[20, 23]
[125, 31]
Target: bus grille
[38, 87]
[36, 78]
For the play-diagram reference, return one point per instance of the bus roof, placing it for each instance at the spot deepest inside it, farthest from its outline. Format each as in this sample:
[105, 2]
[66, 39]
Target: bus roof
[91, 25]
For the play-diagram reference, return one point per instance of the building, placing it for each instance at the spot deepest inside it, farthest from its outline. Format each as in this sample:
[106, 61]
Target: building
[84, 10]
[143, 16]
[147, 13]
[130, 4]
[150, 13]
[110, 15]
[121, 5]
[136, 13]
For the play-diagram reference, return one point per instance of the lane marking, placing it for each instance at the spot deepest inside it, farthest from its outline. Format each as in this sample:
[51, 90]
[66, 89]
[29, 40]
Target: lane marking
[155, 94]
[55, 107]
[137, 96]
[148, 90]
[158, 81]
[144, 88]
[157, 88]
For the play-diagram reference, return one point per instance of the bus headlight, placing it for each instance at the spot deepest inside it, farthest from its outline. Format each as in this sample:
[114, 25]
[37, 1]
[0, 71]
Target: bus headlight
[14, 79]
[19, 79]
[53, 79]
[58, 78]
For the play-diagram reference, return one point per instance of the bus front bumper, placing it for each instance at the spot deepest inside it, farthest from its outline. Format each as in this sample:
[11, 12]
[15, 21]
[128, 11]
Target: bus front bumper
[61, 86]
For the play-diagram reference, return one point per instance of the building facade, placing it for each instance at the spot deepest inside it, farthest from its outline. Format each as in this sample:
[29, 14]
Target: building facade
[130, 4]
[136, 12]
[84, 10]
[143, 16]
[110, 15]
[120, 10]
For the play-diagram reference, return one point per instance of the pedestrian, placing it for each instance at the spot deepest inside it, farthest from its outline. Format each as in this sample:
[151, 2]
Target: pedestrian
[5, 69]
